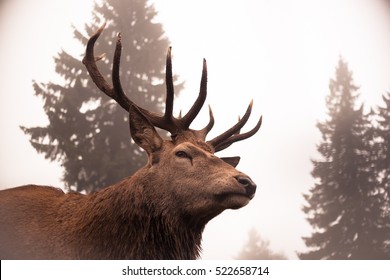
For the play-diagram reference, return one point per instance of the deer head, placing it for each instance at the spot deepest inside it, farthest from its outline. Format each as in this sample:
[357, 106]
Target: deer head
[157, 213]
[183, 168]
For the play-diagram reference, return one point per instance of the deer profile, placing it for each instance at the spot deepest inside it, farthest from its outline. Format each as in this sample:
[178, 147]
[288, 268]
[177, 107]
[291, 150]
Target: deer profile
[159, 212]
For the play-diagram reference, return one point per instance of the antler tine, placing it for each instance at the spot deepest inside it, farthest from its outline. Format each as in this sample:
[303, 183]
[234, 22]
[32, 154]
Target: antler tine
[238, 137]
[227, 145]
[89, 61]
[120, 96]
[203, 132]
[170, 87]
[233, 130]
[194, 111]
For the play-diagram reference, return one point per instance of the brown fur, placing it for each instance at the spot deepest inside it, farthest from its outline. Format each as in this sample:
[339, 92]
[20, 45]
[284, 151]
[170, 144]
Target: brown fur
[159, 213]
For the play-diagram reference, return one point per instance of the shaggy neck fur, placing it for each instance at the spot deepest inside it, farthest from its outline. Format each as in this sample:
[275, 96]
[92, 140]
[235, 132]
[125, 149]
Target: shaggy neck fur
[125, 225]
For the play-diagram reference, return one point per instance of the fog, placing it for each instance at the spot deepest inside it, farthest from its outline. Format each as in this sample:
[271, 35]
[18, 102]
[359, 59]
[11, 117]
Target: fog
[281, 54]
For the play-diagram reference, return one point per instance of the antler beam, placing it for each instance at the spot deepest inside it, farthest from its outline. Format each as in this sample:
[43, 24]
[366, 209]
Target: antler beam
[167, 121]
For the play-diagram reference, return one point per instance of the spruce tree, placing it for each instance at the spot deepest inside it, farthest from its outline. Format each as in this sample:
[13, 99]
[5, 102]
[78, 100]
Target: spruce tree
[258, 248]
[382, 137]
[344, 206]
[88, 132]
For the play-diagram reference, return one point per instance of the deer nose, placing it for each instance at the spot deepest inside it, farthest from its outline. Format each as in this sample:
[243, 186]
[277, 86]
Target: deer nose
[249, 185]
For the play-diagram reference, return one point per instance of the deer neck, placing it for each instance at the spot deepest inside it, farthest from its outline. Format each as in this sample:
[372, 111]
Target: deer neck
[129, 220]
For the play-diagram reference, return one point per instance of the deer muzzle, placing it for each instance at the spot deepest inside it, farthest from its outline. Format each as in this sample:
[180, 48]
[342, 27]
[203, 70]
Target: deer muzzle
[248, 184]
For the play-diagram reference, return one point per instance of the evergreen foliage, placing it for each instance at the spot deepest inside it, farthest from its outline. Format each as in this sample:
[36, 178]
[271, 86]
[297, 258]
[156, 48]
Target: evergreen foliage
[258, 249]
[346, 206]
[382, 158]
[87, 132]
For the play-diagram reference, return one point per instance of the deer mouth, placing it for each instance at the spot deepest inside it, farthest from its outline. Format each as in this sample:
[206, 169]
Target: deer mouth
[233, 199]
[228, 194]
[241, 196]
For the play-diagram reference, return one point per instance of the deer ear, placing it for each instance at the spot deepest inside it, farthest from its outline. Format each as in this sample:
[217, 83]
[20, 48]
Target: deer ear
[143, 132]
[233, 161]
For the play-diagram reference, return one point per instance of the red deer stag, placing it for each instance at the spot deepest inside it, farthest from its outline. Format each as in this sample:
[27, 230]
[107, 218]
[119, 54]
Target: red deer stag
[157, 213]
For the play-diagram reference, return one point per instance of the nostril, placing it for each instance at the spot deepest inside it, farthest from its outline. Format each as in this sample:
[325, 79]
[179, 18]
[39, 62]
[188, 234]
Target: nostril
[243, 181]
[248, 184]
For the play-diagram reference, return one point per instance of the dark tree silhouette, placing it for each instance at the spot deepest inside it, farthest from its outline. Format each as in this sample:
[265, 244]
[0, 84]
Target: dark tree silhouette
[88, 132]
[258, 248]
[344, 206]
[382, 157]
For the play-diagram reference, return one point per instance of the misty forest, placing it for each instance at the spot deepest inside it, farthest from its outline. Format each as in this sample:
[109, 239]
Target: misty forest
[348, 207]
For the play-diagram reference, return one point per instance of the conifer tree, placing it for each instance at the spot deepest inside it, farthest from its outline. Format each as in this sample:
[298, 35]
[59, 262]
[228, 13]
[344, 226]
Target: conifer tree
[88, 132]
[382, 153]
[344, 206]
[258, 248]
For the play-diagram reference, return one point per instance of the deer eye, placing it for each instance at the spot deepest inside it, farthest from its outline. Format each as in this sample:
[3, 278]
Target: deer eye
[182, 154]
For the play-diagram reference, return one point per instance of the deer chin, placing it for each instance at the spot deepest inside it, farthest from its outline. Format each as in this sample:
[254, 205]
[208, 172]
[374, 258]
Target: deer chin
[233, 200]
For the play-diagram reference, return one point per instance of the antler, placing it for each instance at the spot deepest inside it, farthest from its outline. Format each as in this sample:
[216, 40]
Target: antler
[232, 135]
[167, 121]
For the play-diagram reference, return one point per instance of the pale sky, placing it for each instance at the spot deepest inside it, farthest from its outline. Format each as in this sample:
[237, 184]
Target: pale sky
[280, 53]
